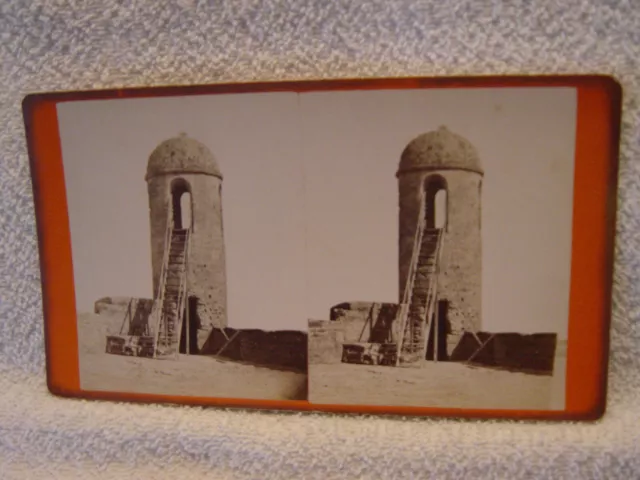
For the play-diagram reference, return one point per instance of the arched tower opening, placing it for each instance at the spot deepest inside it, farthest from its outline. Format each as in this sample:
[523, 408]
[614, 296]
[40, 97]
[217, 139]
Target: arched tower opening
[436, 202]
[181, 204]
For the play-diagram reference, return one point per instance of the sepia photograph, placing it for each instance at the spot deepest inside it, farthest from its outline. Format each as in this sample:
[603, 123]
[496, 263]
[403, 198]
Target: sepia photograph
[400, 247]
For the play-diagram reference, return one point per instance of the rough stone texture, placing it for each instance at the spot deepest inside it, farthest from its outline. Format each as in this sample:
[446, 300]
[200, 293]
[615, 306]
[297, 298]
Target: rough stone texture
[182, 155]
[461, 261]
[279, 349]
[206, 261]
[325, 341]
[533, 353]
[357, 328]
[440, 149]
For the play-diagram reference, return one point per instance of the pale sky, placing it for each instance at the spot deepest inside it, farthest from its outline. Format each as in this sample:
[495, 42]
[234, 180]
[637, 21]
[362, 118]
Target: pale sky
[310, 196]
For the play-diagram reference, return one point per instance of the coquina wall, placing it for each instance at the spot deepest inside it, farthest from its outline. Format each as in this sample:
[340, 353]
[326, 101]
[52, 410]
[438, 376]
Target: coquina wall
[326, 338]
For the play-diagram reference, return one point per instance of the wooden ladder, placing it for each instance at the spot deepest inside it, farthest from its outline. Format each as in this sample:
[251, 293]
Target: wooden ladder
[171, 299]
[418, 305]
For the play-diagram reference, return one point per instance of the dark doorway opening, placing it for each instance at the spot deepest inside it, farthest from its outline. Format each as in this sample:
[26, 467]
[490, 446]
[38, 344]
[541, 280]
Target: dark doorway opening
[181, 204]
[442, 319]
[193, 322]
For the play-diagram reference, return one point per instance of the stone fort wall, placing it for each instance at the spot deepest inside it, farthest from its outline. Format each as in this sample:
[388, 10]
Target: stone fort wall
[325, 341]
[285, 349]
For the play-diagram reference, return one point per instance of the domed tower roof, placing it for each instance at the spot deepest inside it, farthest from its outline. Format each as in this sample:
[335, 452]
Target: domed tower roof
[440, 149]
[182, 154]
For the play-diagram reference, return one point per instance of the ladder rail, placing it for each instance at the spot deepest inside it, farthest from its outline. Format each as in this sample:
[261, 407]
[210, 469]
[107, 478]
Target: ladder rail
[183, 290]
[159, 302]
[163, 285]
[368, 321]
[409, 285]
[137, 326]
[411, 275]
[437, 307]
[432, 295]
[187, 341]
[127, 314]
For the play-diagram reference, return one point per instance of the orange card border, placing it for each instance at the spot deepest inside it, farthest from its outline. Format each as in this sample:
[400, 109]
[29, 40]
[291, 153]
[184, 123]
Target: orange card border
[594, 215]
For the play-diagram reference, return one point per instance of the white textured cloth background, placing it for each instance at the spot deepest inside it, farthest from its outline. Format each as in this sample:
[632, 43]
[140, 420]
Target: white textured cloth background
[65, 45]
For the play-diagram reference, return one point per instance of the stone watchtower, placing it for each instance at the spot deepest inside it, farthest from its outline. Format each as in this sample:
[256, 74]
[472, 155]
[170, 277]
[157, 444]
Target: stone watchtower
[185, 187]
[446, 167]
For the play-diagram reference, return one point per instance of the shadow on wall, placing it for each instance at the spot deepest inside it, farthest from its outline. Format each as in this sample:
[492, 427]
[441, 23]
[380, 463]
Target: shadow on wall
[193, 332]
[285, 349]
[367, 321]
[534, 353]
[135, 313]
